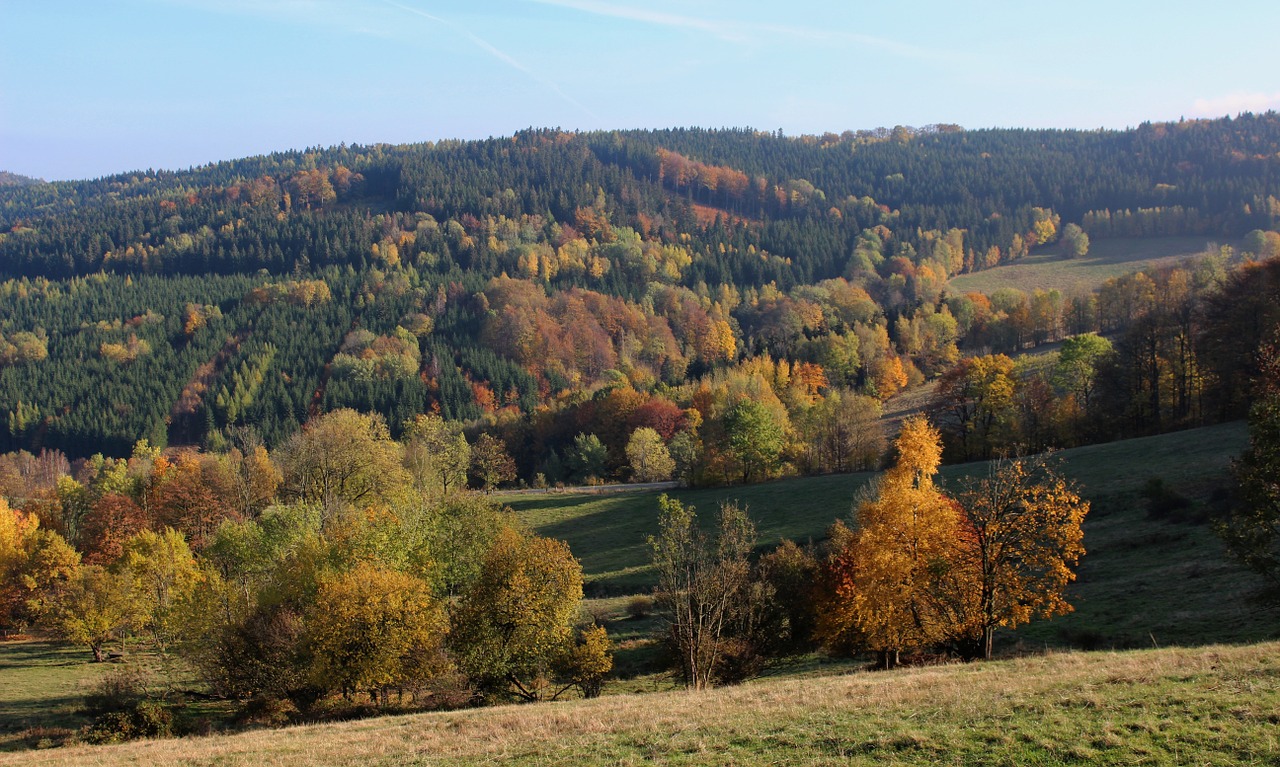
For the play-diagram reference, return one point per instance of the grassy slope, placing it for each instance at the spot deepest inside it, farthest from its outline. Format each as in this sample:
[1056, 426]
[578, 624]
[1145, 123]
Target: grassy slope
[43, 684]
[1106, 259]
[1144, 580]
[1214, 706]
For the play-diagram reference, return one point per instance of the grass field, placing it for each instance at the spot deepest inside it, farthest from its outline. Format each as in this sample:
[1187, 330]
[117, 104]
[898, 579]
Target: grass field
[1209, 706]
[1106, 259]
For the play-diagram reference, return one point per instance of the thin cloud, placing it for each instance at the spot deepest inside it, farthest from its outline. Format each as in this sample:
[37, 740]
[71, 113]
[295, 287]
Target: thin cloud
[739, 31]
[498, 54]
[1235, 103]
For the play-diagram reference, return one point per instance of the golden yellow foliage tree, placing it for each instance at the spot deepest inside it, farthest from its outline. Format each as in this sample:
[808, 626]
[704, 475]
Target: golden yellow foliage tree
[373, 628]
[1022, 536]
[32, 562]
[904, 543]
[91, 609]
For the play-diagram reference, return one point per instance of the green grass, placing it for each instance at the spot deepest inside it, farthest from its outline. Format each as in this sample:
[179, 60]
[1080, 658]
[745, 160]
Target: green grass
[1144, 580]
[1106, 259]
[42, 686]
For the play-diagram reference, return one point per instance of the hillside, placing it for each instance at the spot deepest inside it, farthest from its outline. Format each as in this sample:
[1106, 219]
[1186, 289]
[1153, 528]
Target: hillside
[489, 279]
[1213, 705]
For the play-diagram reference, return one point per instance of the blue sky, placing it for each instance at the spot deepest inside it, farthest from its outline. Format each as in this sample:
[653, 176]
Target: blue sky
[91, 88]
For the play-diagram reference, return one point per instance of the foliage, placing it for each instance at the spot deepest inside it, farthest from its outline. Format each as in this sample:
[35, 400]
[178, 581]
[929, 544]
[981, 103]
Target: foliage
[889, 571]
[517, 617]
[92, 609]
[372, 628]
[1021, 539]
[648, 455]
[1252, 529]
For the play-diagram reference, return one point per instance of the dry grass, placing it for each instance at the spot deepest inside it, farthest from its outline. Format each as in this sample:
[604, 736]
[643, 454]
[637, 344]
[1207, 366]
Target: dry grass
[1216, 705]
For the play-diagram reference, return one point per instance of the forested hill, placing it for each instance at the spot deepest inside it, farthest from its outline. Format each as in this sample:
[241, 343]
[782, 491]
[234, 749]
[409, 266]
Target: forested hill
[513, 275]
[804, 200]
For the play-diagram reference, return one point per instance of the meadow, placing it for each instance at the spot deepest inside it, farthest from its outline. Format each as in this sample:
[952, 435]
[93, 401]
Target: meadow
[1046, 269]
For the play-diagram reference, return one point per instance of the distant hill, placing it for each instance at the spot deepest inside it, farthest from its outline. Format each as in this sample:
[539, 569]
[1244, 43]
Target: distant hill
[14, 179]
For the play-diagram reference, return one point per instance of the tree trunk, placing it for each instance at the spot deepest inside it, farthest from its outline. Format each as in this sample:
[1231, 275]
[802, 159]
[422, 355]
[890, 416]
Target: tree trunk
[97, 653]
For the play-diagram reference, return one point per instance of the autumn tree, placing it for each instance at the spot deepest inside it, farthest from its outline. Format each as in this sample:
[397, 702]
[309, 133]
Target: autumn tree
[1075, 241]
[648, 455]
[343, 459]
[585, 661]
[33, 563]
[91, 609]
[373, 628]
[160, 573]
[491, 464]
[516, 618]
[903, 545]
[702, 581]
[436, 454]
[1021, 538]
[974, 404]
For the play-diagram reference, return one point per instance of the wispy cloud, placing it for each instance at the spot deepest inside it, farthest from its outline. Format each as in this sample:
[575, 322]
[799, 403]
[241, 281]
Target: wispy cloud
[498, 54]
[1234, 103]
[733, 30]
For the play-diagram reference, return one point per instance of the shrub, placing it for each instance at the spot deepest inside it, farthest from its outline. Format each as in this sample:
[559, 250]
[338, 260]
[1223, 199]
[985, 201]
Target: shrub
[640, 606]
[1163, 501]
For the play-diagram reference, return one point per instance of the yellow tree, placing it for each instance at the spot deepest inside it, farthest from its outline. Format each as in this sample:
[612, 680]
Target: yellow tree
[91, 609]
[161, 573]
[518, 615]
[1022, 537]
[374, 628]
[32, 562]
[904, 544]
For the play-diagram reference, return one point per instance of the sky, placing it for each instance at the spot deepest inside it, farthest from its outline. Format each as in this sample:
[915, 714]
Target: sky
[104, 86]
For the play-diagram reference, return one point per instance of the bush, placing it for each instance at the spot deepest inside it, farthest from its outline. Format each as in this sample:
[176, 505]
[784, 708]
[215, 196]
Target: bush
[145, 719]
[640, 606]
[121, 689]
[1163, 501]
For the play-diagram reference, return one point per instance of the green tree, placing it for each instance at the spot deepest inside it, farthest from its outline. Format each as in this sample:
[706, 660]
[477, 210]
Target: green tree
[648, 455]
[1252, 529]
[587, 458]
[755, 438]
